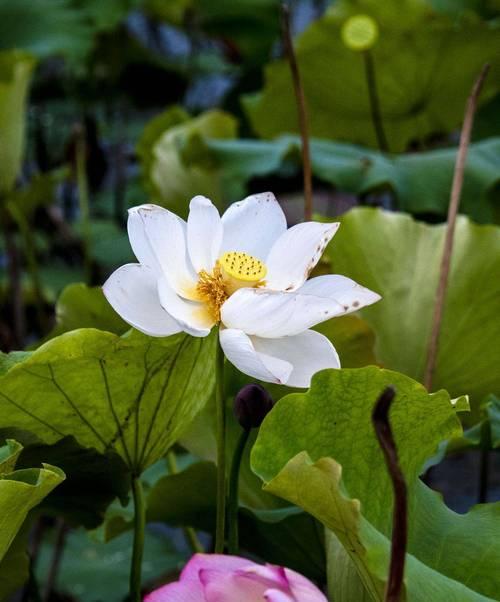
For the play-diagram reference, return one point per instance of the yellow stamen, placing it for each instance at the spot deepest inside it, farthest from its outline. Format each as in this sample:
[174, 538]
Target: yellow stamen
[211, 289]
[232, 271]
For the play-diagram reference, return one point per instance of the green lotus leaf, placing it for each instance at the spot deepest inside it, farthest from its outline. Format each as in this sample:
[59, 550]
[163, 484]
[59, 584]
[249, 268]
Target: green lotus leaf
[82, 306]
[421, 182]
[93, 480]
[422, 90]
[15, 565]
[486, 433]
[400, 258]
[338, 406]
[20, 491]
[16, 68]
[133, 395]
[9, 454]
[318, 450]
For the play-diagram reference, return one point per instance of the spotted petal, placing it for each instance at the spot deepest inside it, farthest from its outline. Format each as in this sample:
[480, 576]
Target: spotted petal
[275, 314]
[294, 255]
[351, 295]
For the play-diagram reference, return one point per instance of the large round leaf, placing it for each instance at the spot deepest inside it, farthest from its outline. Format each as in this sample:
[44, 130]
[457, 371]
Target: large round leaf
[134, 395]
[319, 451]
[399, 258]
[425, 65]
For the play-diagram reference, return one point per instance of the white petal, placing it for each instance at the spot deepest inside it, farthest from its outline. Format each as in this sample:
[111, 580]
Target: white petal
[345, 291]
[308, 352]
[239, 350]
[139, 241]
[132, 293]
[274, 314]
[164, 238]
[204, 233]
[253, 225]
[192, 317]
[295, 254]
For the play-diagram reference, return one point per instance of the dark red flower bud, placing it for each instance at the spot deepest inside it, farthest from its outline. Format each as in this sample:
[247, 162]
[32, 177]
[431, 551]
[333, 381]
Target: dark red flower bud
[251, 405]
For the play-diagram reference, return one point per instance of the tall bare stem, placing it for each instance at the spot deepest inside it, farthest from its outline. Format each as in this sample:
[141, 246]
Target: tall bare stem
[456, 190]
[301, 110]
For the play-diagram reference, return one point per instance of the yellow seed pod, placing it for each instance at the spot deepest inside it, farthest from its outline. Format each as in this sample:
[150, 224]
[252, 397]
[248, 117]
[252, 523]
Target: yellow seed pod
[359, 32]
[243, 266]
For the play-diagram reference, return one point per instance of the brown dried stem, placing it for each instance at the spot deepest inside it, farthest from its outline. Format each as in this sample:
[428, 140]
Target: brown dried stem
[301, 110]
[456, 190]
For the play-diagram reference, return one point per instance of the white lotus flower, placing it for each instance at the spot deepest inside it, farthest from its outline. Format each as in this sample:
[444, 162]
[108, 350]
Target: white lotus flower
[244, 271]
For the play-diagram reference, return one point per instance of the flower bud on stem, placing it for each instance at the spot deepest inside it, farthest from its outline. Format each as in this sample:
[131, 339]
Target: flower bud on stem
[251, 406]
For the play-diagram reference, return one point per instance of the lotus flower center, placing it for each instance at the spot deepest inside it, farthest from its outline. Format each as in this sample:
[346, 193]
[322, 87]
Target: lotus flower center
[233, 270]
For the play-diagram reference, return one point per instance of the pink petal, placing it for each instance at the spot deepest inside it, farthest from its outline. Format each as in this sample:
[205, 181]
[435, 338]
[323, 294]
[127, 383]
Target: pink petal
[231, 587]
[269, 575]
[276, 595]
[218, 562]
[177, 592]
[302, 589]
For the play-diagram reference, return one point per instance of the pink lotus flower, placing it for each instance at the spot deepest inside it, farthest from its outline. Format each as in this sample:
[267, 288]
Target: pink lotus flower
[217, 578]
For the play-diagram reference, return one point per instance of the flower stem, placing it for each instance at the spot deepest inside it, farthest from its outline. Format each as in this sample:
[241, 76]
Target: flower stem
[377, 121]
[138, 547]
[232, 511]
[221, 452]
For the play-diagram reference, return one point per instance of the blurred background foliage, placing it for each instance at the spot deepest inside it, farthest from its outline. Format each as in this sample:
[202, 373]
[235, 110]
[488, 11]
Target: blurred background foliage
[106, 105]
[171, 99]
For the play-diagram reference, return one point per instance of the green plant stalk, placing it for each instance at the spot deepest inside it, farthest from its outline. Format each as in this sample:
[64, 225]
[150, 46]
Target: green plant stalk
[138, 546]
[233, 503]
[32, 262]
[83, 200]
[189, 532]
[376, 114]
[220, 528]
